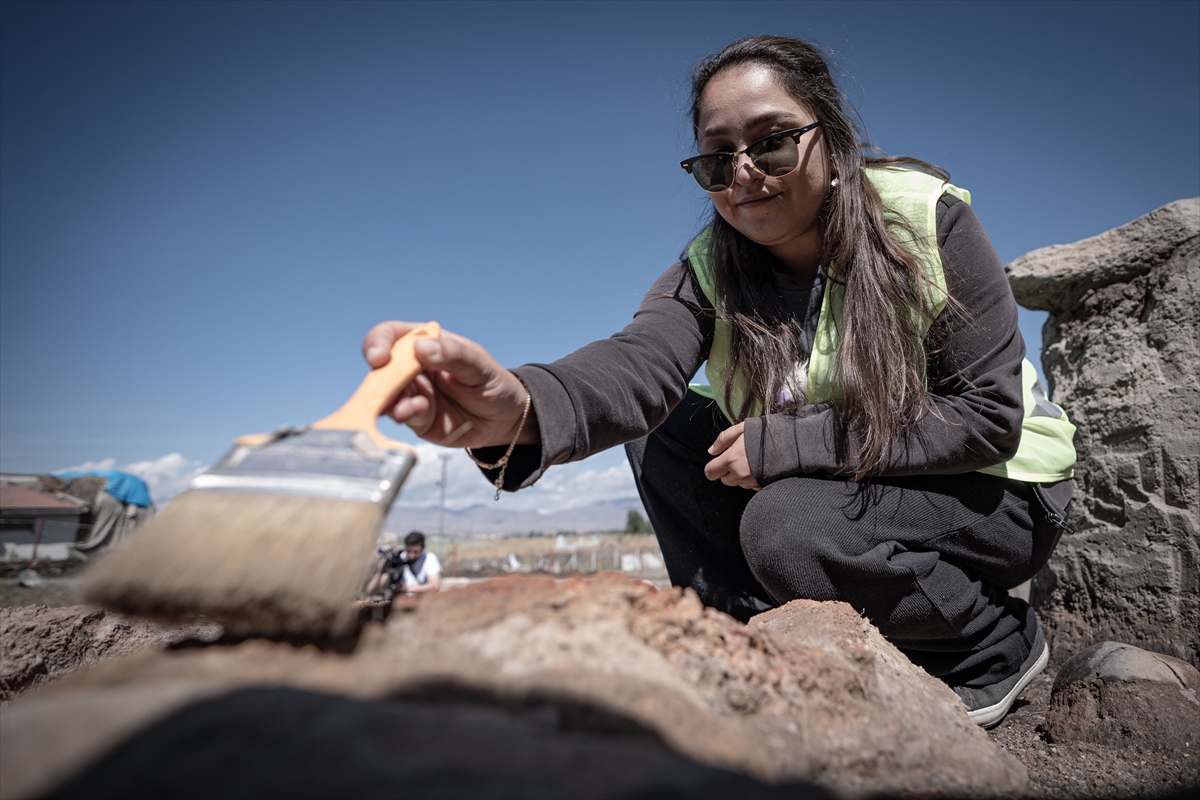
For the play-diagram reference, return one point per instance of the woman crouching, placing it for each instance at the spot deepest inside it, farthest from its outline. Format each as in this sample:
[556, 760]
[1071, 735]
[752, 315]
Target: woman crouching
[871, 431]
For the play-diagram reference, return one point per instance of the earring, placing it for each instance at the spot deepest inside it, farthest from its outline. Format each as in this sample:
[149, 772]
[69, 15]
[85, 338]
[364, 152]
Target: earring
[833, 183]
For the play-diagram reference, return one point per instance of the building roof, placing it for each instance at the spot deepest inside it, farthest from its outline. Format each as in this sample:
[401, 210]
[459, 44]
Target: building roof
[26, 499]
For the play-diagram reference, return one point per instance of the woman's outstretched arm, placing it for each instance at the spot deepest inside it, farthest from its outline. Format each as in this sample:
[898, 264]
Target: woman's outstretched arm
[606, 393]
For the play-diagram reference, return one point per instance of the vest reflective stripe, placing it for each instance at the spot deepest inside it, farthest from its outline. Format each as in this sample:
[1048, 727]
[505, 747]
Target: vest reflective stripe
[1045, 454]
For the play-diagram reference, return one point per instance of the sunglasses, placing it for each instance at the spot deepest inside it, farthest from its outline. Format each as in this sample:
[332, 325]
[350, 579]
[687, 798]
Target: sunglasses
[774, 156]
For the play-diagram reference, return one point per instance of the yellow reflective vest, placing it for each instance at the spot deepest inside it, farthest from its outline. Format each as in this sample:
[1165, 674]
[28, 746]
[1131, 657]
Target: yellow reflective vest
[1046, 453]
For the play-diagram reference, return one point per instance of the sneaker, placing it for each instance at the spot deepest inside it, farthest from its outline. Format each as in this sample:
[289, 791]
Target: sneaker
[987, 705]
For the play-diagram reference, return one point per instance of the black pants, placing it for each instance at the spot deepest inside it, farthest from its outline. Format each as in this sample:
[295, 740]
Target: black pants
[928, 559]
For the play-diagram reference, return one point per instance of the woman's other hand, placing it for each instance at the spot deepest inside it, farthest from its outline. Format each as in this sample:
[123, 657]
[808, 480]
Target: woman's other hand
[731, 465]
[462, 398]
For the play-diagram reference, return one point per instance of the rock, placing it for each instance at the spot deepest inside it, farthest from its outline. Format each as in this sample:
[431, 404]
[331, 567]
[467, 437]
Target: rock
[808, 693]
[1056, 278]
[39, 644]
[1112, 662]
[463, 746]
[1117, 695]
[1120, 354]
[30, 579]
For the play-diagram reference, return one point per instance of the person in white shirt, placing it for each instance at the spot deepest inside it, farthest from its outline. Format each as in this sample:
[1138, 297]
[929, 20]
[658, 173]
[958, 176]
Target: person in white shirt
[412, 572]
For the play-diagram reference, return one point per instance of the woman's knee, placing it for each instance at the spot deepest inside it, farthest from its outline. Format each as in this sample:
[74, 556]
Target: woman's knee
[784, 552]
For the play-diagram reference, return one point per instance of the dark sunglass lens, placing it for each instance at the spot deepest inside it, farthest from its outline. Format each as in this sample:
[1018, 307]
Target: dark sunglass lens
[776, 156]
[713, 173]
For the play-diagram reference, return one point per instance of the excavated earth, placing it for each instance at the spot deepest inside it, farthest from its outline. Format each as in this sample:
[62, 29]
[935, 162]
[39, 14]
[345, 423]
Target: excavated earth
[525, 686]
[40, 644]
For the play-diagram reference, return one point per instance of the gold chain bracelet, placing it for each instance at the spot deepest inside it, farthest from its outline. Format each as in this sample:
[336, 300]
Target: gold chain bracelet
[502, 464]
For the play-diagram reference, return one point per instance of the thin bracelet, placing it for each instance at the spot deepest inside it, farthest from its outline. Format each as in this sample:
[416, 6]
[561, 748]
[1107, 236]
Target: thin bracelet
[502, 464]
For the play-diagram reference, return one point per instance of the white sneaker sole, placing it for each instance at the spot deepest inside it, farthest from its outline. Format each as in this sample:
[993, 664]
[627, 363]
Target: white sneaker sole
[990, 716]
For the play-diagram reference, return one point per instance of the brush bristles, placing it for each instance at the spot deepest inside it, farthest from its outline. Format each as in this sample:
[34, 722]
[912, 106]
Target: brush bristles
[256, 563]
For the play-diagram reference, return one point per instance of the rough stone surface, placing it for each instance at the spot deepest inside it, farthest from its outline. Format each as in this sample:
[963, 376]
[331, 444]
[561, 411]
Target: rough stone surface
[448, 746]
[38, 644]
[1113, 661]
[1148, 713]
[807, 693]
[1120, 353]
[1115, 694]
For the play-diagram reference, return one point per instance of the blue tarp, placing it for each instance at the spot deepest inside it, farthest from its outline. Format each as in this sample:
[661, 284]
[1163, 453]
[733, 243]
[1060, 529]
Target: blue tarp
[129, 489]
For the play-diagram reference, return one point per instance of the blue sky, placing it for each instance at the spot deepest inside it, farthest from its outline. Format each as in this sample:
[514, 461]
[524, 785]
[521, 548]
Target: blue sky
[203, 207]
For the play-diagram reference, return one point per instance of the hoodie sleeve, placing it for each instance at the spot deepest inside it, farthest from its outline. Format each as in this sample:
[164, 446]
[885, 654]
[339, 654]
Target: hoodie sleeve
[975, 419]
[617, 389]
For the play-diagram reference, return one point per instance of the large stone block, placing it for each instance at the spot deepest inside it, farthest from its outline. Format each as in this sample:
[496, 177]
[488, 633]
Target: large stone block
[585, 687]
[1121, 355]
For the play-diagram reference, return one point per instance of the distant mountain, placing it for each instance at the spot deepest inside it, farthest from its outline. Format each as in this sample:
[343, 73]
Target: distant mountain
[485, 520]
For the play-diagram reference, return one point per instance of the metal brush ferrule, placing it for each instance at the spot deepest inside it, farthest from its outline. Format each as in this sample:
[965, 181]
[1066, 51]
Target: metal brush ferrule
[344, 465]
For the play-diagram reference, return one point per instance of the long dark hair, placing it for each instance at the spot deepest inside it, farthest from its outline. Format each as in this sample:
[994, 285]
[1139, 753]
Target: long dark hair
[880, 372]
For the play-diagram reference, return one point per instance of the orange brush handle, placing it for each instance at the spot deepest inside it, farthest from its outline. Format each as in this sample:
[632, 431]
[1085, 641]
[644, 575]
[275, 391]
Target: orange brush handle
[379, 390]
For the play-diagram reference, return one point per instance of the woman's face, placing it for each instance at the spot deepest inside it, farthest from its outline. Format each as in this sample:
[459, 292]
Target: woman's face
[738, 107]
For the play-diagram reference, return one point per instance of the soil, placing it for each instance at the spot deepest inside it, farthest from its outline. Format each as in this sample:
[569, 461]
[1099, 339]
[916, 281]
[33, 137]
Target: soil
[54, 592]
[60, 583]
[47, 569]
[1080, 770]
[40, 643]
[1065, 770]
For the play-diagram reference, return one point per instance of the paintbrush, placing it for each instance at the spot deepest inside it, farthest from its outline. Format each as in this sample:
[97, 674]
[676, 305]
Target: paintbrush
[275, 538]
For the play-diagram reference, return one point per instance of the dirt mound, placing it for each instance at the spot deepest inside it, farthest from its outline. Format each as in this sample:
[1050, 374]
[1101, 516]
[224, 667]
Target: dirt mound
[1115, 694]
[808, 693]
[1083, 770]
[39, 644]
[463, 746]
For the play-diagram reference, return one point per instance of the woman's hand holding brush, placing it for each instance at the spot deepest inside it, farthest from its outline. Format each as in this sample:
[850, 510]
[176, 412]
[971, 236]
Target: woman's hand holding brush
[463, 398]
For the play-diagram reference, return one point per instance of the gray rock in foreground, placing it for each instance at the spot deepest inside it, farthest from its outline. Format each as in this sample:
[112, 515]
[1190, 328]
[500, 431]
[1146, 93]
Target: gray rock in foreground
[437, 745]
[1113, 662]
[808, 693]
[1117, 695]
[1120, 353]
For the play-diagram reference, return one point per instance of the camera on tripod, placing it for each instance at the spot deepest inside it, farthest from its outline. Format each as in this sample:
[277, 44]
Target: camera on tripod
[394, 562]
